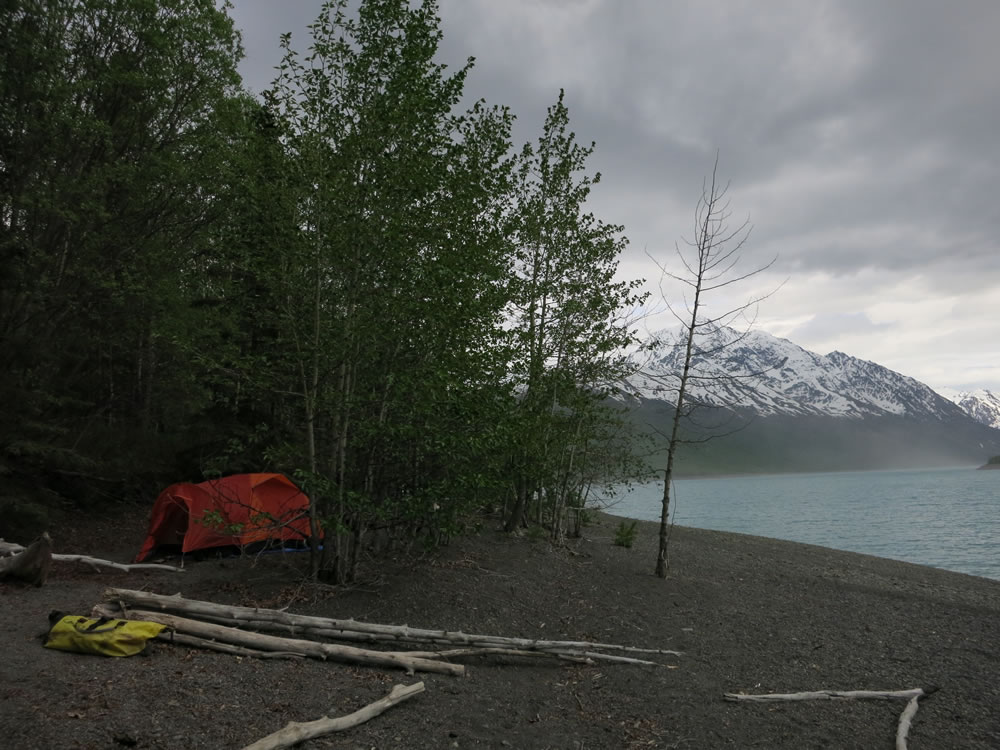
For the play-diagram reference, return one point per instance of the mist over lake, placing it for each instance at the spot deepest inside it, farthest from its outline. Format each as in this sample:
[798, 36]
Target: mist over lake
[946, 518]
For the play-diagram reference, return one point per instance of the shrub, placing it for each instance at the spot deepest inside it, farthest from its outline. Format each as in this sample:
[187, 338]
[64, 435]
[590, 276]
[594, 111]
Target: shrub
[625, 534]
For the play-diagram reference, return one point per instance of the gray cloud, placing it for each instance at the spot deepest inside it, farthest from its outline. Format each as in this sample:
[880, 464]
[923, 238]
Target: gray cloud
[826, 327]
[860, 137]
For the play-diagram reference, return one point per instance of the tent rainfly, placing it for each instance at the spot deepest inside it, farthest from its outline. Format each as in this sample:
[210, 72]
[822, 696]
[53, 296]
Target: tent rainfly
[236, 510]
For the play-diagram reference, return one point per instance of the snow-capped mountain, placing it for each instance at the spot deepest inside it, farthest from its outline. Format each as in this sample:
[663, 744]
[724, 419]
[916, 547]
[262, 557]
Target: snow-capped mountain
[787, 409]
[771, 376]
[982, 405]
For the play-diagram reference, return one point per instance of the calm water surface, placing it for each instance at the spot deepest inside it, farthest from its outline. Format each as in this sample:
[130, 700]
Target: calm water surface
[948, 518]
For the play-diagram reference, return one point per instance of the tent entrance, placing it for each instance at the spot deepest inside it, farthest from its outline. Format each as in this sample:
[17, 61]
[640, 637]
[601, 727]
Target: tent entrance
[172, 529]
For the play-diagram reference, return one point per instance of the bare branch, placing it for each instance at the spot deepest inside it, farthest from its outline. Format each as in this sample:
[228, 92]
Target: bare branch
[709, 263]
[296, 732]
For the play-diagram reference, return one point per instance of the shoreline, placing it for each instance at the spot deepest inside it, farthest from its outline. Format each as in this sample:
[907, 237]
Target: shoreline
[752, 475]
[781, 540]
[940, 518]
[819, 547]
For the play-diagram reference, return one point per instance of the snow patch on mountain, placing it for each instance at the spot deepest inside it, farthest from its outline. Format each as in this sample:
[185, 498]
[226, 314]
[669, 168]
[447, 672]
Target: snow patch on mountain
[982, 405]
[769, 375]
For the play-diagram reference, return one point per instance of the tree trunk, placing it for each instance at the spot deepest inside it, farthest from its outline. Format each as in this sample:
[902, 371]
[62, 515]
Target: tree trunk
[516, 515]
[32, 565]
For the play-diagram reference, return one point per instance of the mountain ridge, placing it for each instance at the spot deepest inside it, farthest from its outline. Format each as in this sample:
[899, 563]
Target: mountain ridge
[771, 406]
[770, 375]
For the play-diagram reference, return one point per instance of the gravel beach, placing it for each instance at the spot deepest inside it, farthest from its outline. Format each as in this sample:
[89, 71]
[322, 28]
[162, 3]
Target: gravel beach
[750, 615]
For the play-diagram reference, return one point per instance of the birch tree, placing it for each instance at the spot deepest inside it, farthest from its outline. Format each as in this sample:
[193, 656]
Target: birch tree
[394, 293]
[567, 312]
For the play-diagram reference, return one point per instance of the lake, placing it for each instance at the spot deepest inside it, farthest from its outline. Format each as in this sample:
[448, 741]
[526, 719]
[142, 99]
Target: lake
[947, 518]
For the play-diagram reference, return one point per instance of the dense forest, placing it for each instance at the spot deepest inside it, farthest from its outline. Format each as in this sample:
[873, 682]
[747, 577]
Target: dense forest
[347, 279]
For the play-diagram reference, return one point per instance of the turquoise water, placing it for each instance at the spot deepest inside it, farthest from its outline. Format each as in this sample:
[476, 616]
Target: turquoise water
[947, 518]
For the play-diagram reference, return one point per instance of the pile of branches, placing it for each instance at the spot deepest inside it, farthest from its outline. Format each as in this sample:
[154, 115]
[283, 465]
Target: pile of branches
[251, 631]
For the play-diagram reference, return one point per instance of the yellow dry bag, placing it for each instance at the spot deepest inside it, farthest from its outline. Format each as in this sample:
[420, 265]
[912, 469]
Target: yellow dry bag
[101, 636]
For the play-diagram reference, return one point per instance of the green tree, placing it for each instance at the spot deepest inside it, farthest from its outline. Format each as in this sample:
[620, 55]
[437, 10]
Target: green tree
[566, 312]
[394, 295]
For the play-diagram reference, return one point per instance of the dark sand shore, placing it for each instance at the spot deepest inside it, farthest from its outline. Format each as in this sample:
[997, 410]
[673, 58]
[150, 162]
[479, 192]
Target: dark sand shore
[750, 615]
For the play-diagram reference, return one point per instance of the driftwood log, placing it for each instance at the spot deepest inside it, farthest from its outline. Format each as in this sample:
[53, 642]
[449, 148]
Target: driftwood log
[905, 720]
[262, 642]
[226, 648]
[912, 698]
[29, 564]
[94, 562]
[828, 695]
[352, 630]
[296, 732]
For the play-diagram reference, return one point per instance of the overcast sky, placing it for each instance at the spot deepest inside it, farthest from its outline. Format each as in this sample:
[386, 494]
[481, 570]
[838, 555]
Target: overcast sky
[861, 138]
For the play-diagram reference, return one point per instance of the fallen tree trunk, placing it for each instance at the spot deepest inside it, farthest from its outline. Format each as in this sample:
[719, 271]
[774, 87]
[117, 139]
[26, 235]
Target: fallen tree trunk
[578, 657]
[296, 732]
[912, 696]
[826, 695]
[94, 562]
[225, 648]
[323, 627]
[456, 652]
[474, 648]
[262, 642]
[29, 564]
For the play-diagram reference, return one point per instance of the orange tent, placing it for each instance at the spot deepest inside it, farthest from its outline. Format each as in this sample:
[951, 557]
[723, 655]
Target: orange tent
[235, 510]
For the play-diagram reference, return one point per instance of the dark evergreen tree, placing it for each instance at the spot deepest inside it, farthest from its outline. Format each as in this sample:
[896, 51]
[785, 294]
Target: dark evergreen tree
[111, 121]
